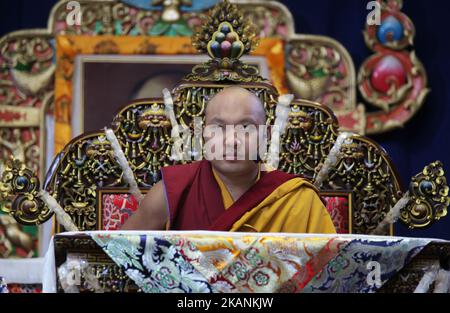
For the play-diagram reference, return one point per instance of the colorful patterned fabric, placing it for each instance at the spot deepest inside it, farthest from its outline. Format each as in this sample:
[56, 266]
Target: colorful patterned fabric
[25, 288]
[3, 287]
[116, 209]
[348, 271]
[218, 262]
[338, 207]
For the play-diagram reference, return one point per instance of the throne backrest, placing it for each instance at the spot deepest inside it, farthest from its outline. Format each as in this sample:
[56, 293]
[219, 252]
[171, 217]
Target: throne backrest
[86, 172]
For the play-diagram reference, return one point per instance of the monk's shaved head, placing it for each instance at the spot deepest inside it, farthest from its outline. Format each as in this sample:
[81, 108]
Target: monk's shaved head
[233, 120]
[236, 98]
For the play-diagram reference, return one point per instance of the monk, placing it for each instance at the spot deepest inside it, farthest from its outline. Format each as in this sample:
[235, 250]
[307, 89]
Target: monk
[230, 193]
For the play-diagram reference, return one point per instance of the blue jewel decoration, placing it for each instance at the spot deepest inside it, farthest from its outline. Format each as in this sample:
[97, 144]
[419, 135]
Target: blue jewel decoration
[390, 30]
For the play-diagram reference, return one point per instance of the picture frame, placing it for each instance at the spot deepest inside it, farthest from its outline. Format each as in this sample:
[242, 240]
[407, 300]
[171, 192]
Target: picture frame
[68, 47]
[96, 100]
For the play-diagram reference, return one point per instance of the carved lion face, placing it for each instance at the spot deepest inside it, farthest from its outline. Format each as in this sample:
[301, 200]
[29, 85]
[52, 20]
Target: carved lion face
[351, 152]
[153, 117]
[100, 149]
[299, 119]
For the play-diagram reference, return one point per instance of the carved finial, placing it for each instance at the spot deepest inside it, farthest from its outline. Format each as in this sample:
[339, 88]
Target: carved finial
[225, 24]
[225, 36]
[429, 195]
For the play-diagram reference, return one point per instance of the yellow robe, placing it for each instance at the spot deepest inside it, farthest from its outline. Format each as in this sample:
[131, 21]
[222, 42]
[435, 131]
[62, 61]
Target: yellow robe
[294, 207]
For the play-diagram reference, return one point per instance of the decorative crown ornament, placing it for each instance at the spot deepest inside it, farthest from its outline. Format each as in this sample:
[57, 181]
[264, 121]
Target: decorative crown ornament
[225, 36]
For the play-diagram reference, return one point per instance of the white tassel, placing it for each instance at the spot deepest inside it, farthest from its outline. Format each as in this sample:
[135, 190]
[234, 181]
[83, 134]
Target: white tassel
[61, 216]
[442, 282]
[393, 214]
[428, 278]
[281, 117]
[177, 147]
[332, 158]
[168, 107]
[128, 174]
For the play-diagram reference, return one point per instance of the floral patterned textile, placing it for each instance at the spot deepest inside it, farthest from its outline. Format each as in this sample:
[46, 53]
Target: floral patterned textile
[216, 262]
[338, 208]
[116, 209]
[348, 271]
[25, 288]
[3, 288]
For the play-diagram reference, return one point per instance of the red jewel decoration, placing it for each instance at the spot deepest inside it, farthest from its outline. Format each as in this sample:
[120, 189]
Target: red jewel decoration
[386, 72]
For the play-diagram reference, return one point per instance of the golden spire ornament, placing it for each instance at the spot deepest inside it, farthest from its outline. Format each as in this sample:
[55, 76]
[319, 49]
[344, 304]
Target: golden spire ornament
[225, 36]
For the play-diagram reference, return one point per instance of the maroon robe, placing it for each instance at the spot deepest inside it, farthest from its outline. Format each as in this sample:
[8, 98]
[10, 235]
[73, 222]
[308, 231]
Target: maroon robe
[194, 200]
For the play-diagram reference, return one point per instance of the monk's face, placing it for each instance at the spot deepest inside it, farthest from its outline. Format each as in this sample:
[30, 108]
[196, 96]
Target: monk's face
[234, 130]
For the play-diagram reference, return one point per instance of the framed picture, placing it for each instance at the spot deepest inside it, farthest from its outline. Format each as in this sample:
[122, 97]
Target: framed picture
[171, 59]
[102, 84]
